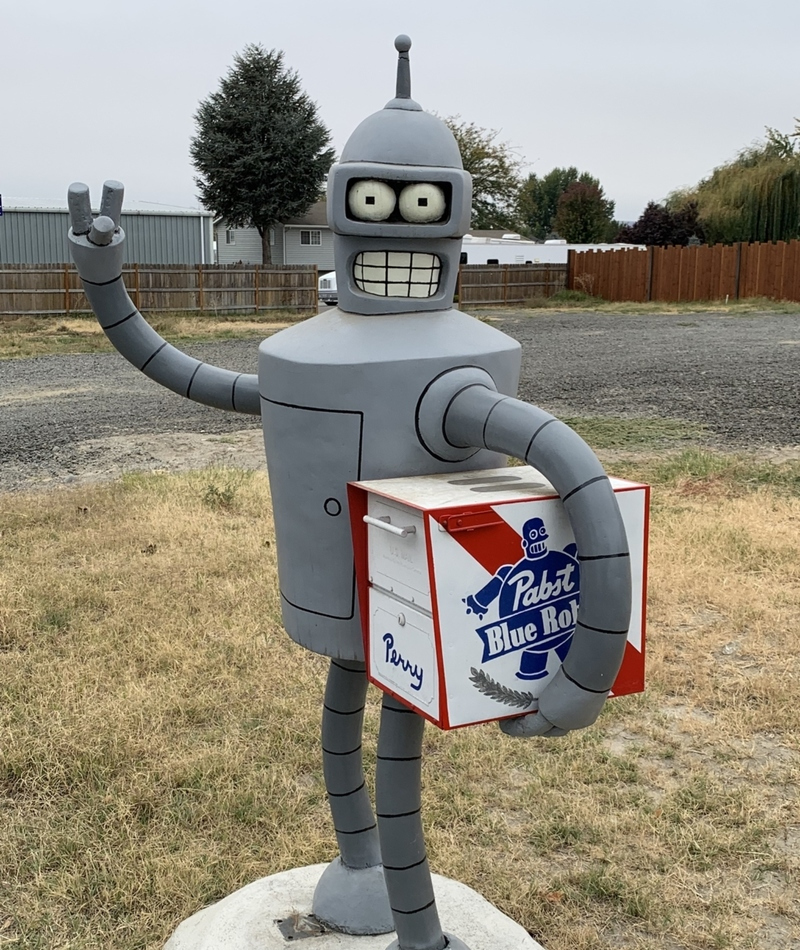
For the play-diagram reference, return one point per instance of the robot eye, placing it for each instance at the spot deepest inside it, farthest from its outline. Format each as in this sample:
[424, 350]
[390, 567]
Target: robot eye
[371, 200]
[422, 203]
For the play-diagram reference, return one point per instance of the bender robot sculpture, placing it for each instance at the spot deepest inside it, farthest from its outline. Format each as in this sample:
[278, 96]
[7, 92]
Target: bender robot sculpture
[393, 382]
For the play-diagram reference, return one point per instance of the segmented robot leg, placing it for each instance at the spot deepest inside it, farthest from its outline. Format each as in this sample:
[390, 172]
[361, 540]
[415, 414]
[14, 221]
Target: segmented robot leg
[351, 894]
[398, 795]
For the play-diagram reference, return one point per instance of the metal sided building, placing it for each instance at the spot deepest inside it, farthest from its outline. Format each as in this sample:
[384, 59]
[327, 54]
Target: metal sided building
[34, 231]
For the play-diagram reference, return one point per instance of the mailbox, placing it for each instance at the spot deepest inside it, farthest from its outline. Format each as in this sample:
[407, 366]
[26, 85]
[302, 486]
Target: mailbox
[469, 586]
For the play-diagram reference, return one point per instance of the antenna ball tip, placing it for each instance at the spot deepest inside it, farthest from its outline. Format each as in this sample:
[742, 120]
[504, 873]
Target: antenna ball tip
[403, 43]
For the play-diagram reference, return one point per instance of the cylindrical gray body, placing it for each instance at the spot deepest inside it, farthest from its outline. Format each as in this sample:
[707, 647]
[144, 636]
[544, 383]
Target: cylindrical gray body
[339, 396]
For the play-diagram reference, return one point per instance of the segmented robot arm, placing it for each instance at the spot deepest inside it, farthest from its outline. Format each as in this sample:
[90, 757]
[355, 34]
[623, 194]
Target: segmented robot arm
[470, 412]
[97, 250]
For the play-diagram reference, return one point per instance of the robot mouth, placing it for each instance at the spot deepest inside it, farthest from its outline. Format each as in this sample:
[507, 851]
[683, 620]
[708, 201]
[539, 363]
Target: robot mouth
[397, 273]
[536, 548]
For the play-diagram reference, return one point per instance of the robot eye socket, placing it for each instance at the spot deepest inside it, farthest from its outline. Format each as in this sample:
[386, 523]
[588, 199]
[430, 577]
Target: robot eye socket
[371, 200]
[422, 203]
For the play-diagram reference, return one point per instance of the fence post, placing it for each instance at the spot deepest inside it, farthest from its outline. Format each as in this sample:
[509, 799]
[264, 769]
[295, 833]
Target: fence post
[649, 279]
[257, 284]
[137, 286]
[570, 270]
[738, 270]
[200, 295]
[505, 283]
[66, 290]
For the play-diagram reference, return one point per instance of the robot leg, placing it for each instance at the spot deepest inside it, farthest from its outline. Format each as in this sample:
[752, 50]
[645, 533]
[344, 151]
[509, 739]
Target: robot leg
[398, 797]
[351, 894]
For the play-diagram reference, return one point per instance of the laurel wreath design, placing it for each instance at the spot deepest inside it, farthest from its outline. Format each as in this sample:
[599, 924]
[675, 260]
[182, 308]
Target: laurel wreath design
[502, 694]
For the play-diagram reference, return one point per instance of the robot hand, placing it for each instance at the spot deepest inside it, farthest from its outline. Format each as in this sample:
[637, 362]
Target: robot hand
[96, 244]
[563, 701]
[532, 724]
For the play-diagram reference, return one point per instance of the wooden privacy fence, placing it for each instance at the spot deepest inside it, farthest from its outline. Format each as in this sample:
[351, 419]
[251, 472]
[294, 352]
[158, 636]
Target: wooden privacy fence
[488, 284]
[681, 274]
[210, 288]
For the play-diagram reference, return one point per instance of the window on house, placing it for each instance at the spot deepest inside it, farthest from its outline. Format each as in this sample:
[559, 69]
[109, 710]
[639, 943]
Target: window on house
[311, 237]
[230, 237]
[272, 235]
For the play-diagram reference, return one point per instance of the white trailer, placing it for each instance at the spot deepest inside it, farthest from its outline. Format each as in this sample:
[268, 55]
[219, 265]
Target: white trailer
[511, 249]
[507, 249]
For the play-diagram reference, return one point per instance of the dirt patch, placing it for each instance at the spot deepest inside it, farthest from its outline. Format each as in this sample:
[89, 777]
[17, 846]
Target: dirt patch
[104, 459]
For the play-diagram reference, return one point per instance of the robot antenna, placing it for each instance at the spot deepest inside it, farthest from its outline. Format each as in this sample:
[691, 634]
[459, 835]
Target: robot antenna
[403, 44]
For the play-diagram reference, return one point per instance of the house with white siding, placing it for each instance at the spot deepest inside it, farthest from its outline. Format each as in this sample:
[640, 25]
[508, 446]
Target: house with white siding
[304, 240]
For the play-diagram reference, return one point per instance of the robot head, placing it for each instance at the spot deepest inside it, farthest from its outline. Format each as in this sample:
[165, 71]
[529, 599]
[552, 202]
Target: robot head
[534, 538]
[399, 203]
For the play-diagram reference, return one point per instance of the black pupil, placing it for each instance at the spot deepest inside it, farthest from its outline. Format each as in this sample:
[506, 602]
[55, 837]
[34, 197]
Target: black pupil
[422, 202]
[369, 200]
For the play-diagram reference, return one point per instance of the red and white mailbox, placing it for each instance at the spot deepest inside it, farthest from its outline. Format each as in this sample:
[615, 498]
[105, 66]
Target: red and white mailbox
[469, 588]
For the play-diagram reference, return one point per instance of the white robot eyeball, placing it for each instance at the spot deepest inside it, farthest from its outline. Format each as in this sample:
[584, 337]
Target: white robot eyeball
[422, 203]
[371, 200]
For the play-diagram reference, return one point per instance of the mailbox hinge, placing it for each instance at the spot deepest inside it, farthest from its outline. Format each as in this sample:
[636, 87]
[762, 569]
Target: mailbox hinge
[469, 521]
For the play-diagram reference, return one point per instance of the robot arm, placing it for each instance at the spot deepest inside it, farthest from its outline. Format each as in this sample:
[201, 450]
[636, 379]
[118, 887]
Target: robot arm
[471, 413]
[97, 249]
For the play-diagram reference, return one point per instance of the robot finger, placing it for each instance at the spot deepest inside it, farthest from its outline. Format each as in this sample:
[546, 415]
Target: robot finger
[102, 231]
[111, 202]
[80, 208]
[533, 724]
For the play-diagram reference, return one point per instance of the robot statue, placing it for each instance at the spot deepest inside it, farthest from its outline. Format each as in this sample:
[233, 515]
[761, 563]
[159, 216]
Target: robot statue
[392, 382]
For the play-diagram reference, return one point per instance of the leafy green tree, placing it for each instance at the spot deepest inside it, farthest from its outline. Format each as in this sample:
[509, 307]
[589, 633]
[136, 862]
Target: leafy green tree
[539, 199]
[260, 150]
[583, 214]
[495, 170]
[755, 196]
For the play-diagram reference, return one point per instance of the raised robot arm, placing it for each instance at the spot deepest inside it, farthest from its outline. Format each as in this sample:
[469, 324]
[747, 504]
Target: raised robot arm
[97, 249]
[463, 409]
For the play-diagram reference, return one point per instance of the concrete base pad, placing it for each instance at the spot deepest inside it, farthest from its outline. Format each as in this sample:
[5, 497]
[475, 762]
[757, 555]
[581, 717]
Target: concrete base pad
[246, 919]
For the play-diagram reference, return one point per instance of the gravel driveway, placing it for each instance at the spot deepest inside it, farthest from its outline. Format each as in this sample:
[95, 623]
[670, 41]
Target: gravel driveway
[74, 418]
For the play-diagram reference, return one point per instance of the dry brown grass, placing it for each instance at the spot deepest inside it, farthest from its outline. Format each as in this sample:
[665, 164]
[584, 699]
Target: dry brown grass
[43, 335]
[159, 732]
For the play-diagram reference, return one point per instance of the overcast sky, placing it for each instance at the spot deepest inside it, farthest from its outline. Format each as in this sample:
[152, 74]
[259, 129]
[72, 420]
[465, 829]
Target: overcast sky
[647, 96]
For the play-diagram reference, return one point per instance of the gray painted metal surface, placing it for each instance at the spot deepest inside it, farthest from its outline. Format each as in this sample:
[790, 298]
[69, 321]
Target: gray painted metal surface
[39, 237]
[392, 383]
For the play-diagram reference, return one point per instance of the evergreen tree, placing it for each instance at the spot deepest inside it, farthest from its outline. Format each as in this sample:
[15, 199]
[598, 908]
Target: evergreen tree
[260, 149]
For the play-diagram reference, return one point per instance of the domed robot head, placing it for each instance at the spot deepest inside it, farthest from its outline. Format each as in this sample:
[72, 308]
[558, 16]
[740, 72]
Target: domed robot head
[534, 538]
[399, 203]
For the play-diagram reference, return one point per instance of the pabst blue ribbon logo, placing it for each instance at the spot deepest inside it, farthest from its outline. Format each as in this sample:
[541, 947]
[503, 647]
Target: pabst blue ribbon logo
[537, 604]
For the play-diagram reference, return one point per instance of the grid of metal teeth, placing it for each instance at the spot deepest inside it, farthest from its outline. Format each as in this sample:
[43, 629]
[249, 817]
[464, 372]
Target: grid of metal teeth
[397, 273]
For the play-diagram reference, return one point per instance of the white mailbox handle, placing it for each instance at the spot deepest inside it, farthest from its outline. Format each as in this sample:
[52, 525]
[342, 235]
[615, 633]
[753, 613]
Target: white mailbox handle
[385, 524]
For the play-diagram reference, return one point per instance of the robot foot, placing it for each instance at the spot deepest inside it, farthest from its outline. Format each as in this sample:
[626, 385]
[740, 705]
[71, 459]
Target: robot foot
[353, 900]
[453, 943]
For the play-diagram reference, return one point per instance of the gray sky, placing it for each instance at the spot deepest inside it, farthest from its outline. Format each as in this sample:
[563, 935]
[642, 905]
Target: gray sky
[645, 96]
